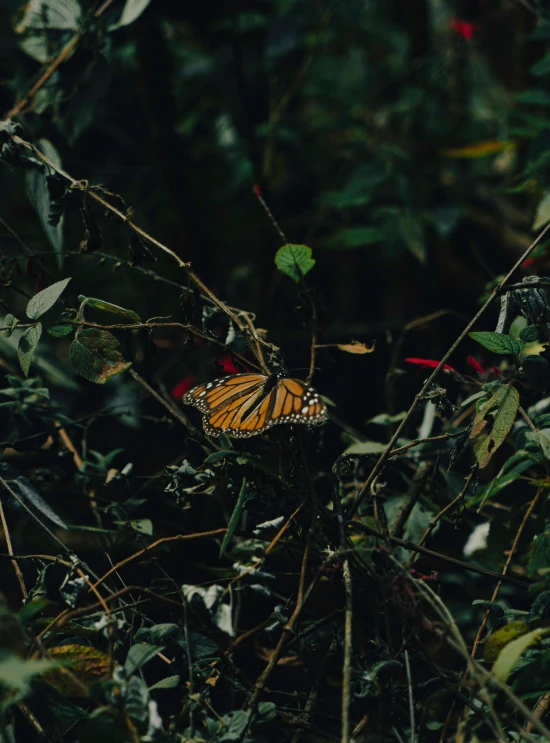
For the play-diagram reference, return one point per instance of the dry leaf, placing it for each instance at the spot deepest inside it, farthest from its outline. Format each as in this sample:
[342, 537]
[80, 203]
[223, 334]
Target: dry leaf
[355, 347]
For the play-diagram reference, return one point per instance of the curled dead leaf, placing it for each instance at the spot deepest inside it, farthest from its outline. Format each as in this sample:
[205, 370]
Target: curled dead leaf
[352, 347]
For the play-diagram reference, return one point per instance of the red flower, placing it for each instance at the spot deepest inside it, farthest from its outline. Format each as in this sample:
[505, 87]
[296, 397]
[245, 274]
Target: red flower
[462, 28]
[226, 363]
[497, 371]
[182, 386]
[430, 363]
[476, 366]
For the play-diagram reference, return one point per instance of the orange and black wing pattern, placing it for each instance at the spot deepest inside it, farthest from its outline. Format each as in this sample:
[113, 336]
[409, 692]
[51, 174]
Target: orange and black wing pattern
[244, 405]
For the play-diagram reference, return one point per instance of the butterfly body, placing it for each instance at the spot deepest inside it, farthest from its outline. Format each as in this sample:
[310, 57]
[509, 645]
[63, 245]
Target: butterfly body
[244, 405]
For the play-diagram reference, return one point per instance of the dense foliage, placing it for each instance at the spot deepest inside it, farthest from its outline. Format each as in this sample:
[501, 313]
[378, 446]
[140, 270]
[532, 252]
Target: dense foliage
[351, 193]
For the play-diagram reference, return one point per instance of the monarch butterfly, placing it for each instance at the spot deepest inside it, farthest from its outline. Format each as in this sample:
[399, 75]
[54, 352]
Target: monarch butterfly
[244, 405]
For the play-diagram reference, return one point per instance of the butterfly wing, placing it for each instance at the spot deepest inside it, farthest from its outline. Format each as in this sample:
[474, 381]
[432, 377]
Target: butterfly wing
[239, 406]
[212, 396]
[290, 401]
[297, 402]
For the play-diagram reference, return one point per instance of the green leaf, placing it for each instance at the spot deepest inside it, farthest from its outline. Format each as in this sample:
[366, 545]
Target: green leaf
[100, 304]
[493, 422]
[498, 342]
[10, 323]
[294, 261]
[534, 676]
[139, 654]
[360, 188]
[542, 216]
[472, 398]
[221, 454]
[535, 97]
[497, 641]
[59, 330]
[351, 238]
[58, 14]
[542, 67]
[142, 526]
[510, 653]
[234, 725]
[366, 447]
[511, 472]
[27, 346]
[539, 555]
[170, 682]
[264, 714]
[26, 491]
[530, 334]
[235, 516]
[17, 674]
[540, 607]
[45, 299]
[102, 726]
[542, 438]
[385, 419]
[94, 355]
[413, 235]
[130, 13]
[39, 196]
[136, 701]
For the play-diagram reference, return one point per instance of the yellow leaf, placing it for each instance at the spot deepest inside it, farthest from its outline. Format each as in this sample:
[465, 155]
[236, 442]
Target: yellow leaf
[351, 347]
[478, 149]
[355, 347]
[497, 640]
[85, 663]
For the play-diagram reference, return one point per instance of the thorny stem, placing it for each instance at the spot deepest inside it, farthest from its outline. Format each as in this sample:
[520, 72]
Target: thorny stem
[429, 381]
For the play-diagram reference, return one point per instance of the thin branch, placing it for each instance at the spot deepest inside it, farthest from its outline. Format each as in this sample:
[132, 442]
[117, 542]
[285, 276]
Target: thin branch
[354, 524]
[448, 507]
[153, 545]
[174, 412]
[52, 67]
[410, 694]
[126, 219]
[429, 381]
[479, 634]
[506, 566]
[14, 562]
[410, 499]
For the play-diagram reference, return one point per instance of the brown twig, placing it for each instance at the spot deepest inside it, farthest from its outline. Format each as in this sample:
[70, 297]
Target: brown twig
[479, 633]
[174, 412]
[126, 219]
[505, 568]
[261, 683]
[14, 562]
[410, 499]
[153, 545]
[448, 507]
[52, 67]
[438, 556]
[429, 381]
[348, 632]
[302, 593]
